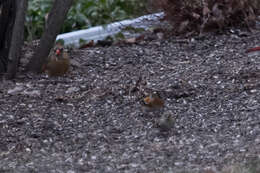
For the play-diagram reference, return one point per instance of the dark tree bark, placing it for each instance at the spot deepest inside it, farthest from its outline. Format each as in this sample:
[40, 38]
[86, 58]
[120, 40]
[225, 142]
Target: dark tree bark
[17, 38]
[7, 17]
[55, 20]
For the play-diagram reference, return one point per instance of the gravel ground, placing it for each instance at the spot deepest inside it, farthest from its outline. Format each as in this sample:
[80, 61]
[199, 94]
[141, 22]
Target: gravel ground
[91, 120]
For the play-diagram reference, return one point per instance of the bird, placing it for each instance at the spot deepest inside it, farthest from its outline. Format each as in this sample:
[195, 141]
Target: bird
[153, 103]
[166, 122]
[58, 62]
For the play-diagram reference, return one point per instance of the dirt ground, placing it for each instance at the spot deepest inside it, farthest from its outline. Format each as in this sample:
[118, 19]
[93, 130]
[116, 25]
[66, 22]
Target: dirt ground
[91, 120]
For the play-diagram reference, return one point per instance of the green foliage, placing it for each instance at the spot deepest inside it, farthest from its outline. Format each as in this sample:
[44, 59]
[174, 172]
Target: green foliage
[60, 41]
[119, 36]
[133, 29]
[83, 14]
[37, 9]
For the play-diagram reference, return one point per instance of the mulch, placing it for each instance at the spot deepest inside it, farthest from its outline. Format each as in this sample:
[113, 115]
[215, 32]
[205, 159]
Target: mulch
[91, 120]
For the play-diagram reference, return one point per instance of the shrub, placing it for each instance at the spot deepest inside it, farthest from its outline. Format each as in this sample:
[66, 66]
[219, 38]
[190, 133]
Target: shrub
[37, 9]
[201, 15]
[83, 14]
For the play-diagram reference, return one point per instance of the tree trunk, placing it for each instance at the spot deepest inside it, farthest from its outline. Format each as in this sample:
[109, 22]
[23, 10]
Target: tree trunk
[17, 38]
[55, 20]
[7, 17]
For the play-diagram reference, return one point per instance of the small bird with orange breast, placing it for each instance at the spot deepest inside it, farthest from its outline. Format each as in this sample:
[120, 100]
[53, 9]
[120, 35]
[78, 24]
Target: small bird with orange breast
[58, 63]
[153, 103]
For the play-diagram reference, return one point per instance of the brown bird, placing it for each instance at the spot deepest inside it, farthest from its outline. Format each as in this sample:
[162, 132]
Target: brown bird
[153, 102]
[58, 63]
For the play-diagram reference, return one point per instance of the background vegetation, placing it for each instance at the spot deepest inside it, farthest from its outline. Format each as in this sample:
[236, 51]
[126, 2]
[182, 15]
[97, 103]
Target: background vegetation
[83, 14]
[203, 15]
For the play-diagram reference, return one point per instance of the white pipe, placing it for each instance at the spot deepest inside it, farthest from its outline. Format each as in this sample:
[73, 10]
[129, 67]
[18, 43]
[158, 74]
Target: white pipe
[101, 32]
